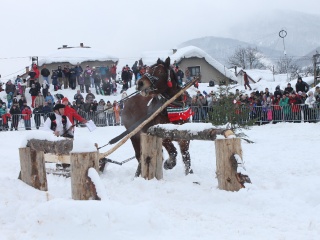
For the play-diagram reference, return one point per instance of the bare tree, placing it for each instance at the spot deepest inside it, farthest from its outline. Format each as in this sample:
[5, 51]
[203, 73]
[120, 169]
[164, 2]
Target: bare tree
[238, 58]
[246, 57]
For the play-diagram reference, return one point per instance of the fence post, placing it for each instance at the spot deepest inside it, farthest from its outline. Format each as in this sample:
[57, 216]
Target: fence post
[151, 157]
[33, 170]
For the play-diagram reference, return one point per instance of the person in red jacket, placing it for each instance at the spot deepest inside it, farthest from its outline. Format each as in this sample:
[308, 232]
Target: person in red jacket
[26, 115]
[71, 113]
[36, 70]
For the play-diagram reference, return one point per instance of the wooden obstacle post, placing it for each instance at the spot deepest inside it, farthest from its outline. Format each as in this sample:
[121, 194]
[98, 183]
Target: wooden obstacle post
[151, 157]
[228, 178]
[33, 170]
[81, 185]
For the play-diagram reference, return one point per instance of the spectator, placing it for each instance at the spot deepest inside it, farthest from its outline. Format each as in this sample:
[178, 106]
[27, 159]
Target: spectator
[116, 109]
[49, 99]
[36, 70]
[55, 81]
[288, 89]
[46, 109]
[66, 73]
[310, 106]
[34, 93]
[45, 73]
[114, 87]
[106, 87]
[180, 75]
[72, 78]
[39, 100]
[284, 103]
[23, 86]
[37, 112]
[110, 113]
[278, 91]
[4, 115]
[87, 78]
[103, 70]
[246, 81]
[101, 115]
[9, 99]
[125, 78]
[60, 76]
[21, 101]
[15, 117]
[301, 85]
[90, 97]
[32, 77]
[45, 88]
[79, 72]
[11, 88]
[78, 96]
[81, 83]
[97, 82]
[26, 116]
[113, 72]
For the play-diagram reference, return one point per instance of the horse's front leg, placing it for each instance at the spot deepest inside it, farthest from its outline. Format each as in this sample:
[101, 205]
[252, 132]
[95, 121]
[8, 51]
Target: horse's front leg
[184, 148]
[172, 160]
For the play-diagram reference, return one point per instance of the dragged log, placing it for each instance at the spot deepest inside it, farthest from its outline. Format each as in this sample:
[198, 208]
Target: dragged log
[175, 134]
[62, 147]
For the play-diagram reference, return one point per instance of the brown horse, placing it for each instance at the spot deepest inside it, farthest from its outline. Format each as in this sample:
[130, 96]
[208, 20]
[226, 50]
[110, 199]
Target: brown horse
[156, 86]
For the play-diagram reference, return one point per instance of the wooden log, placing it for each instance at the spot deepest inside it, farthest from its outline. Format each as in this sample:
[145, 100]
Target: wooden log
[33, 170]
[151, 157]
[62, 147]
[81, 185]
[57, 158]
[226, 163]
[145, 122]
[176, 134]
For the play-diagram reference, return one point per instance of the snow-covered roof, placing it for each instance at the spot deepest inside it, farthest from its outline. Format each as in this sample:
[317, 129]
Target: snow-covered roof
[151, 57]
[76, 55]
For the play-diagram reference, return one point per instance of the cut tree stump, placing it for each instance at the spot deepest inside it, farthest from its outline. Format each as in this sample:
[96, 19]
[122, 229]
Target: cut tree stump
[151, 157]
[227, 164]
[33, 170]
[81, 185]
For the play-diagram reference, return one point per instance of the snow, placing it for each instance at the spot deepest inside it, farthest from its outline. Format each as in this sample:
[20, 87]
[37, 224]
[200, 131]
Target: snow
[76, 55]
[95, 178]
[283, 201]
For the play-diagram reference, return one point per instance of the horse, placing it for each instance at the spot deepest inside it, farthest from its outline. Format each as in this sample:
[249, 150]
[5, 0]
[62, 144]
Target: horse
[156, 86]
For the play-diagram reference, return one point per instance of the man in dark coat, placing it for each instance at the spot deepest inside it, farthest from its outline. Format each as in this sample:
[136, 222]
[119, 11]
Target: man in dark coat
[301, 86]
[45, 73]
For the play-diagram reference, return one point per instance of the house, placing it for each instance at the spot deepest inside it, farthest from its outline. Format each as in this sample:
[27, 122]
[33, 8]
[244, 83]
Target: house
[71, 56]
[197, 61]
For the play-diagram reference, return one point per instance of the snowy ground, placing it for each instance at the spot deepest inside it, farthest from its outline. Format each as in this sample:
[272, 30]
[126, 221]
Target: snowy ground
[283, 201]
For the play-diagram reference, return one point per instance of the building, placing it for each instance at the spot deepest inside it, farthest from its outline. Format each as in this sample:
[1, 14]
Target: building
[84, 55]
[197, 61]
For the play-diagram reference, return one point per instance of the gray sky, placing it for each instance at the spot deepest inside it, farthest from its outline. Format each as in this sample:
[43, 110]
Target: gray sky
[123, 28]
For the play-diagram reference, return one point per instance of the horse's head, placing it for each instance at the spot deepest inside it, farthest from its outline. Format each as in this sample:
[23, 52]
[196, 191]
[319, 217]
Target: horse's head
[158, 79]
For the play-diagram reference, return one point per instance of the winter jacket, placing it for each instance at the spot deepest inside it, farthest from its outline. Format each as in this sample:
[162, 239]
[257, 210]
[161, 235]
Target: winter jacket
[45, 72]
[302, 86]
[33, 91]
[26, 114]
[39, 100]
[78, 70]
[10, 88]
[72, 114]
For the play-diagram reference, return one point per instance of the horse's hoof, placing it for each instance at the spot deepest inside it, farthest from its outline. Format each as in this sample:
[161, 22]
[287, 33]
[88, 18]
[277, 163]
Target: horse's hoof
[169, 165]
[189, 171]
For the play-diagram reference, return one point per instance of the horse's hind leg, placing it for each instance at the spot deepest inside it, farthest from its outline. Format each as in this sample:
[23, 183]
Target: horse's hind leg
[184, 148]
[172, 161]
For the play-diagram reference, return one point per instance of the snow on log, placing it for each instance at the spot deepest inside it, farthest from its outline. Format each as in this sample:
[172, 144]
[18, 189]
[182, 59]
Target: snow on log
[176, 134]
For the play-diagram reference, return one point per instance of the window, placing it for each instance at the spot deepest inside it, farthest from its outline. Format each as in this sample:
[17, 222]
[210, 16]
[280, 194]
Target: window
[194, 71]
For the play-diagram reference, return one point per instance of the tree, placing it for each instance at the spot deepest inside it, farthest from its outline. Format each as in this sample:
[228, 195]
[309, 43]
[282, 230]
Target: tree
[287, 65]
[248, 57]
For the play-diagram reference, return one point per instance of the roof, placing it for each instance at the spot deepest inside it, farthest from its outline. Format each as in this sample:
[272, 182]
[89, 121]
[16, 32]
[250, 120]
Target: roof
[151, 57]
[76, 55]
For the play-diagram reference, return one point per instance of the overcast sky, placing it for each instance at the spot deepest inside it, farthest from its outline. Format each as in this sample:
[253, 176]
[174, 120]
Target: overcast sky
[123, 28]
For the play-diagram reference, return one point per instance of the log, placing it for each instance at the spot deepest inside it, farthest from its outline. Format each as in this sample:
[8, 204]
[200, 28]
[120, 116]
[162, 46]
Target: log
[33, 170]
[227, 165]
[175, 134]
[81, 185]
[151, 157]
[145, 122]
[65, 159]
[62, 147]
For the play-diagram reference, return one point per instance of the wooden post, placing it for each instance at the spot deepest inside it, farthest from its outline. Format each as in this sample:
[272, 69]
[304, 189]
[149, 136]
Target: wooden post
[33, 170]
[227, 164]
[151, 157]
[81, 185]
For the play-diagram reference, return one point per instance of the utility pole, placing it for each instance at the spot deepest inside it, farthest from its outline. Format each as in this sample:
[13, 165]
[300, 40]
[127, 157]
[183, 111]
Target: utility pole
[316, 64]
[283, 34]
